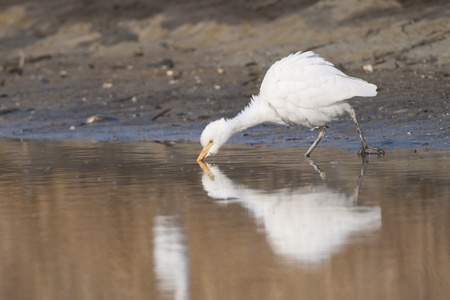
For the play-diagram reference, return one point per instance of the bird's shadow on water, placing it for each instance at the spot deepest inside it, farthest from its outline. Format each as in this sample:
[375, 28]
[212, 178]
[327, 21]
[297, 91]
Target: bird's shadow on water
[306, 224]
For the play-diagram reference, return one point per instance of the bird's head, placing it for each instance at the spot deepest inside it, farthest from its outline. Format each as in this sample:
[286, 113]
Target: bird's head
[213, 137]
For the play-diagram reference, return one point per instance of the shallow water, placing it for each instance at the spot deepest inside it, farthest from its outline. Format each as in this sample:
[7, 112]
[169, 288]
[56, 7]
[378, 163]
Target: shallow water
[141, 220]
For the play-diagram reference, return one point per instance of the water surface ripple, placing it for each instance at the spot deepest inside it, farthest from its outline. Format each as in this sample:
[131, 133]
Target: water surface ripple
[83, 219]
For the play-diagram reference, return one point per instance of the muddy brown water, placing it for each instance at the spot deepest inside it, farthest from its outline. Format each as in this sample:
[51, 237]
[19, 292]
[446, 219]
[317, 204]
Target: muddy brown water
[81, 219]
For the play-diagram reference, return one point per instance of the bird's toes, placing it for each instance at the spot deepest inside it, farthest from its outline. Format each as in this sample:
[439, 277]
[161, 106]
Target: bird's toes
[380, 151]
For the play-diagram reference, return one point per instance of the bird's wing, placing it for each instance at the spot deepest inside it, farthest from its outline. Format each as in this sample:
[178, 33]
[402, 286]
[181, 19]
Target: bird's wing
[308, 81]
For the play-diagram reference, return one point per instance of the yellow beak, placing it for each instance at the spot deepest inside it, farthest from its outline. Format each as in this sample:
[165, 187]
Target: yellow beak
[205, 151]
[206, 169]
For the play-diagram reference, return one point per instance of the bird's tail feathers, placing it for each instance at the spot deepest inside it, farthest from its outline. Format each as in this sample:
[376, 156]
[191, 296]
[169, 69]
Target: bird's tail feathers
[364, 89]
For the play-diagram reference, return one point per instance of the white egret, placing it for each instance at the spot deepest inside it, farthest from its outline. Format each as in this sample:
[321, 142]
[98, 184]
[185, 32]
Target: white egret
[302, 89]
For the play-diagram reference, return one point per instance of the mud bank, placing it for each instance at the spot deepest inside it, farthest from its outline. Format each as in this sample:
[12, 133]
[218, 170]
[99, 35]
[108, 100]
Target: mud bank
[162, 71]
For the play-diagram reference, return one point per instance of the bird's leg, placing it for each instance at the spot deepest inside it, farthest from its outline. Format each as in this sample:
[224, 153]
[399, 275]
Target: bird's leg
[364, 145]
[360, 178]
[322, 174]
[319, 137]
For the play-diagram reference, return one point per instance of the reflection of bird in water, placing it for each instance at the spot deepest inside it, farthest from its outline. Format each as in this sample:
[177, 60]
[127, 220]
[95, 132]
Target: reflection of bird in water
[307, 224]
[302, 89]
[171, 261]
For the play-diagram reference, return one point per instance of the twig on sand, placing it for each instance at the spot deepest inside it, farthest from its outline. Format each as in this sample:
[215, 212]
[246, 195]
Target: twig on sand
[39, 58]
[161, 114]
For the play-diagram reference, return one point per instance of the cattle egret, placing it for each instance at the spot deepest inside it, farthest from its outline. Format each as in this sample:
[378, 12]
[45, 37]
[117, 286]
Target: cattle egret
[301, 89]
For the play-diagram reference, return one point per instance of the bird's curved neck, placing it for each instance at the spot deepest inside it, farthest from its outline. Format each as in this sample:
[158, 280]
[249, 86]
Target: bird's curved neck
[257, 111]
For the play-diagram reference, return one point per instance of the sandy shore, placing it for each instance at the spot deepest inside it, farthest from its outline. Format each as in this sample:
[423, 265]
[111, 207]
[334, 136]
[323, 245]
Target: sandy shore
[162, 71]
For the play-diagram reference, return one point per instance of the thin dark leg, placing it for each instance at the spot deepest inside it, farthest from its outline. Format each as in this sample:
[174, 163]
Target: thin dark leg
[364, 145]
[322, 174]
[319, 137]
[360, 178]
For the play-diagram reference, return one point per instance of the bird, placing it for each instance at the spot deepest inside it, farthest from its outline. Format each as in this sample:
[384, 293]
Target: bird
[300, 89]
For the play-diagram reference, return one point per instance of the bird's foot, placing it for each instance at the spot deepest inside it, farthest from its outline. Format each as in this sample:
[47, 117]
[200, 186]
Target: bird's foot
[366, 149]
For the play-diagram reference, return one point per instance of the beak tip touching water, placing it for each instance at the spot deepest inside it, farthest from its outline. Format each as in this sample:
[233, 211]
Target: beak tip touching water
[205, 168]
[202, 155]
[204, 152]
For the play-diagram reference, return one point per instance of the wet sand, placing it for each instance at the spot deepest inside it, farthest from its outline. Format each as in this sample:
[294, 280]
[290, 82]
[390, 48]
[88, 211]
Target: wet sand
[159, 74]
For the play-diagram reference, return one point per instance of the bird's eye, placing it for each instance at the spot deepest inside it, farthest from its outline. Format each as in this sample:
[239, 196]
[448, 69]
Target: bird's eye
[211, 141]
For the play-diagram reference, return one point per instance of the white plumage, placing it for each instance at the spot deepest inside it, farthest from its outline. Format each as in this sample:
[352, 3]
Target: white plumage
[308, 223]
[302, 89]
